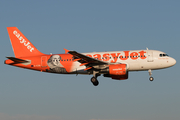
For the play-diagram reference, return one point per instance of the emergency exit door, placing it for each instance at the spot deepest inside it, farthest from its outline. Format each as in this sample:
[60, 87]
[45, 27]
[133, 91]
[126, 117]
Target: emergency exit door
[43, 61]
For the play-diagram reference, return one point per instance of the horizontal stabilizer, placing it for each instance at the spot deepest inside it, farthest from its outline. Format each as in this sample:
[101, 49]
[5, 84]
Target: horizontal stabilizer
[17, 60]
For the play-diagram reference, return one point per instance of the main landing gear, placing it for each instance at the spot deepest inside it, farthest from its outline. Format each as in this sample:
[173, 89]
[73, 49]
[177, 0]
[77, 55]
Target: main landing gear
[94, 80]
[150, 73]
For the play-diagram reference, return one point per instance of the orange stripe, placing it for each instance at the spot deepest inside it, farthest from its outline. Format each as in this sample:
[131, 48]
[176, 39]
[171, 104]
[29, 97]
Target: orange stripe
[83, 64]
[87, 68]
[77, 59]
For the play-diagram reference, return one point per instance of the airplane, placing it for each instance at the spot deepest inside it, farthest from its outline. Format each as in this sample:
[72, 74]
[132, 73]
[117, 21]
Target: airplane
[112, 64]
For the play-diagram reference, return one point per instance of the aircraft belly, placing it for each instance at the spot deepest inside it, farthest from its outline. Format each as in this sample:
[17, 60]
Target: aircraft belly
[134, 66]
[144, 65]
[79, 69]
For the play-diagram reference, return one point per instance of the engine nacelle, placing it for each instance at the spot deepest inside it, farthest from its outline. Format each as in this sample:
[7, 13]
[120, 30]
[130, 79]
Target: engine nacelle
[118, 72]
[119, 69]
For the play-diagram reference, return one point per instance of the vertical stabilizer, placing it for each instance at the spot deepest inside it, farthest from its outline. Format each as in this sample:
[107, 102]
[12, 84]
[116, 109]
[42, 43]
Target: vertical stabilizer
[22, 47]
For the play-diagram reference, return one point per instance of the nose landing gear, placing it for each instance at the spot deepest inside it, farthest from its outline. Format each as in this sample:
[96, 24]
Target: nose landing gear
[150, 73]
[151, 78]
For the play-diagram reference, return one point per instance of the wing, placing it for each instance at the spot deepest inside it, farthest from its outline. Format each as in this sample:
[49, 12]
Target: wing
[86, 60]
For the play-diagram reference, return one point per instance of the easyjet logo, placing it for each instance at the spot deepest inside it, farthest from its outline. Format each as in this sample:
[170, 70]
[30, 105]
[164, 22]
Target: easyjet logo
[122, 56]
[23, 41]
[117, 69]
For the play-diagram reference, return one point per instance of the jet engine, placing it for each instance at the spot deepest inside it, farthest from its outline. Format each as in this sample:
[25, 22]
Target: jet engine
[117, 71]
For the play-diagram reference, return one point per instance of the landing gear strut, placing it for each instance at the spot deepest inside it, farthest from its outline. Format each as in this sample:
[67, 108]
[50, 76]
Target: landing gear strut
[150, 73]
[94, 80]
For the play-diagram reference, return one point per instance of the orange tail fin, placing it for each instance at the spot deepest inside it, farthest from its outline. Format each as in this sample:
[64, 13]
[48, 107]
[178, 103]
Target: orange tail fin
[22, 47]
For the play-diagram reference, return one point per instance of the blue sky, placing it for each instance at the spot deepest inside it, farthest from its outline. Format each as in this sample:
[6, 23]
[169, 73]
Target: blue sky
[88, 26]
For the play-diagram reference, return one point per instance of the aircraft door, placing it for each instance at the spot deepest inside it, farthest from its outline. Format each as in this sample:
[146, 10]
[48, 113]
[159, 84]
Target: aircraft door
[43, 61]
[150, 56]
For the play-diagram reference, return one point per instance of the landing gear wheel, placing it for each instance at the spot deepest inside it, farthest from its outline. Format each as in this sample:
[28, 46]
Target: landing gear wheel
[151, 78]
[94, 81]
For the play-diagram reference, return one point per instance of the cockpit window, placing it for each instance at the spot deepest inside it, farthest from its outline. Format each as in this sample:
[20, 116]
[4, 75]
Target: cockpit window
[163, 55]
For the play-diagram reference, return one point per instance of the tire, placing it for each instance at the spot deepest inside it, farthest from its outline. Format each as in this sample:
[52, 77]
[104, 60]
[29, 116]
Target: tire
[151, 78]
[94, 81]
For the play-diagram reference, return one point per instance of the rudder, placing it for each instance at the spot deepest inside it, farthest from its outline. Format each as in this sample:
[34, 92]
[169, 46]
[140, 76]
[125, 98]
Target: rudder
[22, 47]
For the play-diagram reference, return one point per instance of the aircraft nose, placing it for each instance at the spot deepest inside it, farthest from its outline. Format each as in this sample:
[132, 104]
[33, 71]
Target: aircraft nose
[173, 61]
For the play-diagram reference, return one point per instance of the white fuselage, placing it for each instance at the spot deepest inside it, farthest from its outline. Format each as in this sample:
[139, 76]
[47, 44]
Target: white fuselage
[136, 60]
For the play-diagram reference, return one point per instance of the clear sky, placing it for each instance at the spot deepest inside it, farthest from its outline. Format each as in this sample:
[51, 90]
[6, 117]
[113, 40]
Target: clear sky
[88, 26]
